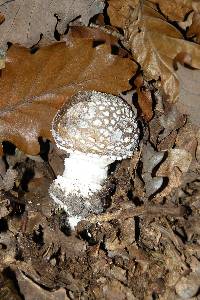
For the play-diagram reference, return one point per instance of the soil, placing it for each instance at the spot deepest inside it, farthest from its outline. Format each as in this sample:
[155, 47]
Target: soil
[137, 249]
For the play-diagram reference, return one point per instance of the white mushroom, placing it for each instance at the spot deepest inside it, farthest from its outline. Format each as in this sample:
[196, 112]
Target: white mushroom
[95, 135]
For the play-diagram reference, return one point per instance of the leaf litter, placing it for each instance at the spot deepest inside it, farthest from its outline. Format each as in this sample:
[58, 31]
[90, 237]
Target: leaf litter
[145, 245]
[25, 22]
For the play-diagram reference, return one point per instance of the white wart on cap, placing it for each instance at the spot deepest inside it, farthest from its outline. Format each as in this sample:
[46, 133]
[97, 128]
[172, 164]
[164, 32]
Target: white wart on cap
[96, 129]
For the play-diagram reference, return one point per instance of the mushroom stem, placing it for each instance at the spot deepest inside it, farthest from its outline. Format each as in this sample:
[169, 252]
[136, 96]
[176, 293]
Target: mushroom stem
[84, 174]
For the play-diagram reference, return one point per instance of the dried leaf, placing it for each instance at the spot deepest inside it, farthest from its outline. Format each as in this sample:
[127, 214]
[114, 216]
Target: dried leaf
[99, 35]
[145, 103]
[32, 91]
[90, 33]
[174, 10]
[119, 10]
[176, 164]
[189, 93]
[160, 43]
[194, 29]
[68, 245]
[114, 290]
[151, 159]
[187, 139]
[32, 291]
[171, 120]
[24, 24]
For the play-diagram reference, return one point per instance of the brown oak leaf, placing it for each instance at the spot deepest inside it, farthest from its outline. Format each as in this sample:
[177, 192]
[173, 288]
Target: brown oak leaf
[34, 86]
[155, 44]
[91, 33]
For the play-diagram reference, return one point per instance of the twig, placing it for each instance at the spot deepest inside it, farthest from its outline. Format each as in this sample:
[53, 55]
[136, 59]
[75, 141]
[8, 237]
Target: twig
[156, 210]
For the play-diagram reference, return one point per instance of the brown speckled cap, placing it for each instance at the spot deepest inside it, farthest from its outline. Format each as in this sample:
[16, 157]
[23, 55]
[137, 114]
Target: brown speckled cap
[96, 123]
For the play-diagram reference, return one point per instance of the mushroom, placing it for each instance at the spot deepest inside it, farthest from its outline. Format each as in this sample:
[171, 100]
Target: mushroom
[95, 129]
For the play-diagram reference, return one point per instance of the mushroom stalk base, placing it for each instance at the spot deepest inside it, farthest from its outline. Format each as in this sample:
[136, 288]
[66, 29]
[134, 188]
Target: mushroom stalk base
[75, 191]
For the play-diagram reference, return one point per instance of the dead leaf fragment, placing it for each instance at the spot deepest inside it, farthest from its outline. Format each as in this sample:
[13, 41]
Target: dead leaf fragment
[90, 33]
[151, 159]
[116, 290]
[194, 29]
[176, 158]
[29, 98]
[24, 24]
[189, 98]
[174, 10]
[145, 103]
[32, 291]
[119, 10]
[176, 164]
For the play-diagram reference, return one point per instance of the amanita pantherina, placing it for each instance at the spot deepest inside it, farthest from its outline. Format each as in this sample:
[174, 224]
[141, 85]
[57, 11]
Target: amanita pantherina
[95, 129]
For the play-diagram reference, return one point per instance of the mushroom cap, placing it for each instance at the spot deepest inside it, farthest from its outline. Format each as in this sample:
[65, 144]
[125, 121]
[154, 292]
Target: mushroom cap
[96, 123]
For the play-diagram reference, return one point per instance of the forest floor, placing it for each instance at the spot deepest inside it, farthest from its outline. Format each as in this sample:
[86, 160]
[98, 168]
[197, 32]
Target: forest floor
[146, 243]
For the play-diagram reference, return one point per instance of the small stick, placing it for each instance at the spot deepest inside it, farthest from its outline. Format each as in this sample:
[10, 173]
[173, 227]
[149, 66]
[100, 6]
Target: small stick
[157, 210]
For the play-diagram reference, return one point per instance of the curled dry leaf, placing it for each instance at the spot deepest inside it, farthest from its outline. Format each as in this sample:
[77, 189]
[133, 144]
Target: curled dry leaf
[170, 121]
[174, 10]
[151, 159]
[160, 43]
[194, 29]
[24, 24]
[176, 164]
[187, 139]
[31, 92]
